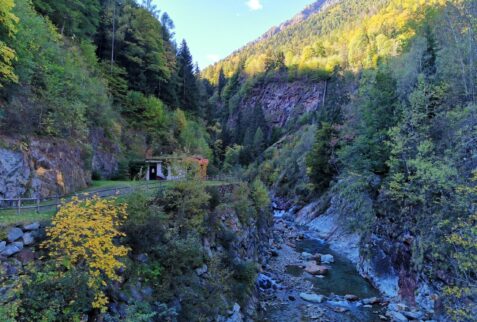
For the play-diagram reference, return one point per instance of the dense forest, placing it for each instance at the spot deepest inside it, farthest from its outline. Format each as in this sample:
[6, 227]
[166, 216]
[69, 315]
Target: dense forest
[384, 135]
[71, 67]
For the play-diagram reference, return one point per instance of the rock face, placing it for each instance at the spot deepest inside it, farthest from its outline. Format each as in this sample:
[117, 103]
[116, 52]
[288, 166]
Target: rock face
[281, 101]
[105, 162]
[14, 174]
[41, 167]
[383, 260]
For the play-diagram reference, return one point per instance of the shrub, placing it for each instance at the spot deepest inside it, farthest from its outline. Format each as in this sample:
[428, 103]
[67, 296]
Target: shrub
[144, 224]
[260, 195]
[83, 235]
[53, 295]
[243, 204]
[244, 275]
[187, 203]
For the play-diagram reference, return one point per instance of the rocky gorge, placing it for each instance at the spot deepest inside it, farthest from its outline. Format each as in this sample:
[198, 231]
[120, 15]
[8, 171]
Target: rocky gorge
[317, 272]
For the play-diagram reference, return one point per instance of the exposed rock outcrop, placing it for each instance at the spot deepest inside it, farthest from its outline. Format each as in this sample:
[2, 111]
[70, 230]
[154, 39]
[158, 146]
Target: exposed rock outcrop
[105, 160]
[384, 262]
[281, 101]
[42, 167]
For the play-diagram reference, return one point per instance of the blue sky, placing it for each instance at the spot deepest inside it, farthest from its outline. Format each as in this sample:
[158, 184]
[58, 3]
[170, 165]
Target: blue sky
[215, 28]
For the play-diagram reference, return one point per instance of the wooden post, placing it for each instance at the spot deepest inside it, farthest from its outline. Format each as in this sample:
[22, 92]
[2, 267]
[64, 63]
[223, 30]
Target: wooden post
[19, 205]
[38, 204]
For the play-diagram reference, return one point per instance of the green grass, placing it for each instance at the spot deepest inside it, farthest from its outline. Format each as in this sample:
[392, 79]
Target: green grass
[110, 184]
[10, 218]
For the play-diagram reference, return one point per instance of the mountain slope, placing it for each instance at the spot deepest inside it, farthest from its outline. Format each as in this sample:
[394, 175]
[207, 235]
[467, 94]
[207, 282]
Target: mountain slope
[298, 18]
[384, 150]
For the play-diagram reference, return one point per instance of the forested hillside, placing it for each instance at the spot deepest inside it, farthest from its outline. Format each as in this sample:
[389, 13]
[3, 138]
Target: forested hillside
[71, 68]
[377, 107]
[355, 121]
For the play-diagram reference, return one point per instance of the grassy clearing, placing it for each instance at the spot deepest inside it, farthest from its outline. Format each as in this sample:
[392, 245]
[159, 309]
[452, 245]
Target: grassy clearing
[10, 218]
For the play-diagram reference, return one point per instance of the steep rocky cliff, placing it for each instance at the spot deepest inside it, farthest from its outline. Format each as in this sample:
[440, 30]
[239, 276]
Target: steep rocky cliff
[281, 101]
[42, 167]
[48, 167]
[105, 160]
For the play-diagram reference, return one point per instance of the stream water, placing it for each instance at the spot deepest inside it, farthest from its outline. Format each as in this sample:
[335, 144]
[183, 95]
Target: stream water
[283, 302]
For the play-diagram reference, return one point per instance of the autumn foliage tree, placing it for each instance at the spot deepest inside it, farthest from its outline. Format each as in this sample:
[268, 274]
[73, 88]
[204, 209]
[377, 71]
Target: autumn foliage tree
[83, 235]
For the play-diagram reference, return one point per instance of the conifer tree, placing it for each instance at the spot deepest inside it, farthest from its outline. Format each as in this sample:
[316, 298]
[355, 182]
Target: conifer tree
[221, 82]
[188, 91]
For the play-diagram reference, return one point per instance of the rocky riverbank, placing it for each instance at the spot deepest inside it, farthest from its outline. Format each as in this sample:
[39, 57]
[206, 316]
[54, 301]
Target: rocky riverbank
[310, 279]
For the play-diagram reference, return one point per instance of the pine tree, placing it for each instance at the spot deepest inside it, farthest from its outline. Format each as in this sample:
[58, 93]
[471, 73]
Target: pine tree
[188, 91]
[318, 161]
[221, 82]
[76, 18]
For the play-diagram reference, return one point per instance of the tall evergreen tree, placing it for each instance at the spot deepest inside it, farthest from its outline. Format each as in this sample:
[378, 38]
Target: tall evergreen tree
[188, 91]
[79, 18]
[221, 82]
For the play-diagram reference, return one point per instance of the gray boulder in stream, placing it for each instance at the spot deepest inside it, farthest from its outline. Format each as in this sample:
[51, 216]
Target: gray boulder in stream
[313, 298]
[327, 259]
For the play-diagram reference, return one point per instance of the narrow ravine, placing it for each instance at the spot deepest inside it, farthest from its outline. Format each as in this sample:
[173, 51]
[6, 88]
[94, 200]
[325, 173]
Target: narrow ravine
[289, 293]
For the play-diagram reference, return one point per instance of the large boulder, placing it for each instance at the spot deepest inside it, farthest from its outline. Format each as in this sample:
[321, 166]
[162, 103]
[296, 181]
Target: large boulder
[32, 226]
[313, 298]
[28, 239]
[396, 316]
[14, 234]
[327, 259]
[314, 269]
[3, 244]
[12, 249]
[351, 297]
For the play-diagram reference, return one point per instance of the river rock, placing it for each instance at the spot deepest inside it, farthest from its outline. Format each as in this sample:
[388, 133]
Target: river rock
[371, 301]
[396, 316]
[28, 239]
[340, 309]
[313, 298]
[264, 282]
[327, 259]
[14, 234]
[351, 297]
[315, 269]
[32, 226]
[413, 315]
[3, 244]
[306, 255]
[399, 307]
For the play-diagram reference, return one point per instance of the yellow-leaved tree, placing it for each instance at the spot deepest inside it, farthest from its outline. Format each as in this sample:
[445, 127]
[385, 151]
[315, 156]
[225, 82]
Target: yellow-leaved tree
[8, 23]
[85, 234]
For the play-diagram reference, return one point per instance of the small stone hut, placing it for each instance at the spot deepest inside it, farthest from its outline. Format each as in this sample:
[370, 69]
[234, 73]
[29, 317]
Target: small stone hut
[176, 167]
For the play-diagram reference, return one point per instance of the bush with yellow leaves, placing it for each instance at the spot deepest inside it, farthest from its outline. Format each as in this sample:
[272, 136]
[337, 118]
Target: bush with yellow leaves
[84, 234]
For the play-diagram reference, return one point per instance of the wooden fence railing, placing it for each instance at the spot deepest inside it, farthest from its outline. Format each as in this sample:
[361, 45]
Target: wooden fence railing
[42, 204]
